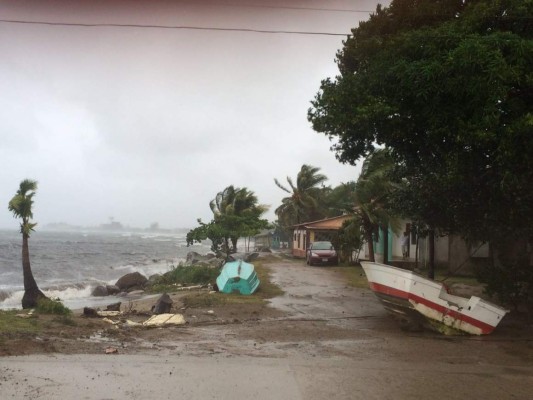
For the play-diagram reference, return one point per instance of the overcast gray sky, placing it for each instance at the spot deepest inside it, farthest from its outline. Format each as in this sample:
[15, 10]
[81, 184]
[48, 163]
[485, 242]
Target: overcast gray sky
[148, 124]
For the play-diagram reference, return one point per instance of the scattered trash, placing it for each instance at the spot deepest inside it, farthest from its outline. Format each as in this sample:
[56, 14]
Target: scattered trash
[92, 312]
[129, 323]
[165, 319]
[111, 350]
[108, 313]
[182, 288]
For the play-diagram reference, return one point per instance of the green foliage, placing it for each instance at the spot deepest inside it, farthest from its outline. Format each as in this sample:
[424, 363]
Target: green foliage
[189, 275]
[50, 306]
[21, 205]
[305, 200]
[341, 199]
[350, 237]
[451, 96]
[373, 192]
[212, 231]
[511, 281]
[447, 87]
[236, 214]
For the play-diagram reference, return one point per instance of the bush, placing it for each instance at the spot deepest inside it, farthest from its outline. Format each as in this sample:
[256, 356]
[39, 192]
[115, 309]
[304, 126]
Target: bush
[187, 275]
[51, 306]
[511, 282]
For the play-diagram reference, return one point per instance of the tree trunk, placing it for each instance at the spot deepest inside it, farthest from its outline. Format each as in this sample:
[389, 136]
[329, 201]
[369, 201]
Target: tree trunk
[370, 241]
[416, 251]
[385, 231]
[31, 292]
[431, 239]
[234, 244]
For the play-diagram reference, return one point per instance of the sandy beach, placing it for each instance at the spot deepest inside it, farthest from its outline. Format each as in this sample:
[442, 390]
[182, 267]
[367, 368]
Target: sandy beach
[321, 339]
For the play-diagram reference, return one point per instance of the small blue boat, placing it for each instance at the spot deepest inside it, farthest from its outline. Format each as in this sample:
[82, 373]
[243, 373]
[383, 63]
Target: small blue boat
[238, 276]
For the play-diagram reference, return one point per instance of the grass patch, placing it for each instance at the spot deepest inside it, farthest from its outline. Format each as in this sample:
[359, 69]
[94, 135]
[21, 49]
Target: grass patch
[51, 306]
[266, 290]
[354, 275]
[185, 276]
[11, 324]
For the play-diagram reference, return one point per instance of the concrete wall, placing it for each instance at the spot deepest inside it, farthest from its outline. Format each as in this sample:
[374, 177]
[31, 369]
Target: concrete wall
[299, 243]
[463, 258]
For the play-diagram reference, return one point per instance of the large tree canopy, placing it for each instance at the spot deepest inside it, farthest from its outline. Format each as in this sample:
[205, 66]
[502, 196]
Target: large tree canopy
[447, 86]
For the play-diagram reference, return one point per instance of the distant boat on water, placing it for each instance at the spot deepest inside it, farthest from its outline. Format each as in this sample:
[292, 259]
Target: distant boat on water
[416, 300]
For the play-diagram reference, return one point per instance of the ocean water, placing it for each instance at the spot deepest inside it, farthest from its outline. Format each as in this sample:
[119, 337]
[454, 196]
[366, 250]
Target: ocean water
[68, 265]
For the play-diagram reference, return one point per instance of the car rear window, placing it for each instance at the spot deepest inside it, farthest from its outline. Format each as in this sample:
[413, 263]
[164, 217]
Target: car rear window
[322, 246]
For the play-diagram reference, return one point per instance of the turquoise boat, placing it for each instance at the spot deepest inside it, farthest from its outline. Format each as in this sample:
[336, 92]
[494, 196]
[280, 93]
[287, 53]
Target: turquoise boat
[238, 276]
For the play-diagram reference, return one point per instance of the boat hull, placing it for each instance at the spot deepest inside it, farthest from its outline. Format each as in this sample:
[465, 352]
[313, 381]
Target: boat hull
[238, 277]
[415, 299]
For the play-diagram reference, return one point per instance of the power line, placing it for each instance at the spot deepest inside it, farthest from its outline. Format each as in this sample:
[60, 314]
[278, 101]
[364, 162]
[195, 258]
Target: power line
[344, 10]
[183, 27]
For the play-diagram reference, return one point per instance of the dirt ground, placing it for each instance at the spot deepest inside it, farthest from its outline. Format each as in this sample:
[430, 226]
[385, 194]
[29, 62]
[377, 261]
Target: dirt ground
[322, 338]
[319, 314]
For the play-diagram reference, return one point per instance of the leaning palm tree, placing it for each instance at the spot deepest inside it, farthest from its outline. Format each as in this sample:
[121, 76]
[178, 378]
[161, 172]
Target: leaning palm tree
[21, 207]
[372, 194]
[236, 207]
[303, 199]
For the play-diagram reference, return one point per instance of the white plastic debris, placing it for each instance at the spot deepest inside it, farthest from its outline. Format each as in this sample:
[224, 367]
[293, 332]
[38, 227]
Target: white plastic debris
[165, 319]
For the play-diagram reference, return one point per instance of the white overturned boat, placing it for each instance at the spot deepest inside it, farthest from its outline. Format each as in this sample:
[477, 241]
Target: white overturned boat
[412, 297]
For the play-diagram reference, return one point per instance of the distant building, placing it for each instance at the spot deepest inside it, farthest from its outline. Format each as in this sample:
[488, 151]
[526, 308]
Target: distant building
[315, 231]
[112, 226]
[451, 251]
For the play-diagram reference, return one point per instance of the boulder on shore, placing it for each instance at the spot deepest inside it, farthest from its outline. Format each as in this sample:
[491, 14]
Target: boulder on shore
[112, 289]
[134, 280]
[113, 307]
[100, 291]
[89, 312]
[163, 305]
[193, 258]
[152, 280]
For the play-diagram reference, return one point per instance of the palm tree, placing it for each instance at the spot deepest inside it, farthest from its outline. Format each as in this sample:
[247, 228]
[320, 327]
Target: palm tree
[21, 207]
[341, 199]
[303, 200]
[239, 210]
[372, 193]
